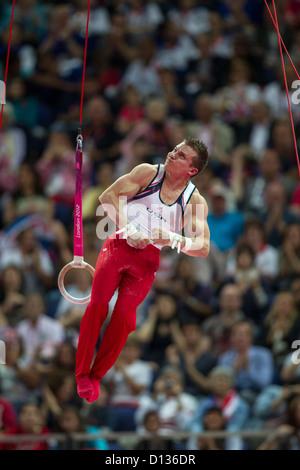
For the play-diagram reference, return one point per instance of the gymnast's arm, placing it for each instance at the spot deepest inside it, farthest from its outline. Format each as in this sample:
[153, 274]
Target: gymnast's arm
[196, 241]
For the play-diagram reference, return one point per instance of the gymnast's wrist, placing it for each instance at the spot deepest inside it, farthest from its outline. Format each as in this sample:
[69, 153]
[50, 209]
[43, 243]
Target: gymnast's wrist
[188, 243]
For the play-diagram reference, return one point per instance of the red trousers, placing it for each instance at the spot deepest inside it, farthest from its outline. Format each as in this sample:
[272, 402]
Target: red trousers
[132, 272]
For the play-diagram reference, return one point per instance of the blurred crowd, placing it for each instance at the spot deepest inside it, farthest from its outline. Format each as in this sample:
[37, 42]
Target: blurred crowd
[217, 339]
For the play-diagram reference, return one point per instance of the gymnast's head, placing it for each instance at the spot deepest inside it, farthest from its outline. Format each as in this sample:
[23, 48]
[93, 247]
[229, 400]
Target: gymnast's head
[188, 158]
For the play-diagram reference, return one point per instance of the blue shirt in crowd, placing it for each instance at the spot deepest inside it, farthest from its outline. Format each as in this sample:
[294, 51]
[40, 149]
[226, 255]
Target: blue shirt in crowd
[225, 229]
[259, 373]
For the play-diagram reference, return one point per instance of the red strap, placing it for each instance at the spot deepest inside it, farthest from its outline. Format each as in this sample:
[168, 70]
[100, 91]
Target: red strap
[7, 61]
[84, 61]
[289, 57]
[285, 80]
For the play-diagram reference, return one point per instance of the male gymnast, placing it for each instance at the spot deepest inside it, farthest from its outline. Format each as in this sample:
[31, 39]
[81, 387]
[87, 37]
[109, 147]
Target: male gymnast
[151, 206]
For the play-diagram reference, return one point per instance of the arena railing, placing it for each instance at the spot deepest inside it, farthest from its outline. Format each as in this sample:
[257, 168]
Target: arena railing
[73, 440]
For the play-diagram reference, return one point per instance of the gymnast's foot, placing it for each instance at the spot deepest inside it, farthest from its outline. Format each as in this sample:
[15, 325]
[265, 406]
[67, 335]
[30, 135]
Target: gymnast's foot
[96, 390]
[85, 388]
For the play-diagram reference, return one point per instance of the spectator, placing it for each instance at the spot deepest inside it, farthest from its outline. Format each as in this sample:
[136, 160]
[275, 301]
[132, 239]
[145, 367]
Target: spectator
[139, 152]
[141, 73]
[266, 256]
[59, 391]
[128, 381]
[191, 353]
[131, 111]
[218, 327]
[26, 109]
[251, 193]
[63, 42]
[286, 436]
[64, 358]
[289, 256]
[220, 37]
[30, 422]
[155, 129]
[283, 144]
[254, 289]
[281, 327]
[31, 16]
[234, 100]
[276, 214]
[171, 93]
[99, 414]
[155, 333]
[142, 17]
[213, 420]
[8, 416]
[189, 17]
[253, 365]
[295, 200]
[176, 50]
[235, 410]
[226, 227]
[18, 382]
[99, 21]
[12, 296]
[28, 255]
[152, 427]
[274, 93]
[100, 135]
[208, 71]
[70, 421]
[40, 334]
[290, 370]
[218, 136]
[175, 407]
[269, 407]
[13, 150]
[195, 300]
[257, 133]
[118, 51]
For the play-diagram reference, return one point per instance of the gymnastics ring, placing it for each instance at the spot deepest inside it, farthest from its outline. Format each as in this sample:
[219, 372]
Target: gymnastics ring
[77, 262]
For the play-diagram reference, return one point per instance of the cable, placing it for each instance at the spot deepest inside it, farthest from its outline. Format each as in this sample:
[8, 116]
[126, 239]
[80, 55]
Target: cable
[7, 61]
[286, 86]
[84, 62]
[286, 51]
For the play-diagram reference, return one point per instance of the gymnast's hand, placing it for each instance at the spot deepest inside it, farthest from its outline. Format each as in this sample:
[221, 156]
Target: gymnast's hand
[138, 240]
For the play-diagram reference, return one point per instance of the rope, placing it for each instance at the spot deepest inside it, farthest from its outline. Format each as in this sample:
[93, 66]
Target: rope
[84, 62]
[7, 61]
[286, 84]
[281, 40]
[78, 261]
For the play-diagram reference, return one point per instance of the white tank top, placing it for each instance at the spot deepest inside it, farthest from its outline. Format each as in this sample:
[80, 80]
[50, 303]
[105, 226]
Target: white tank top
[146, 210]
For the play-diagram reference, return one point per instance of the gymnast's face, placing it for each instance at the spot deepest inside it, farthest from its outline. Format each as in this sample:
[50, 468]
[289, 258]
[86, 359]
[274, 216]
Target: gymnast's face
[180, 161]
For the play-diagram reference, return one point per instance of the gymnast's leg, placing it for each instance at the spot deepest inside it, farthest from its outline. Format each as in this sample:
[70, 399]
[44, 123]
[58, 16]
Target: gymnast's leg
[132, 292]
[106, 280]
